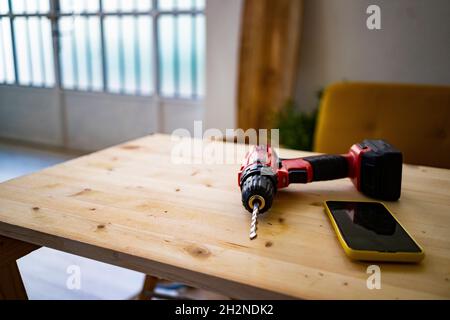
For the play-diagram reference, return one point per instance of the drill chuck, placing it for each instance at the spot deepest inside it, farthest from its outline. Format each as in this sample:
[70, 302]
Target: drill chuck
[258, 189]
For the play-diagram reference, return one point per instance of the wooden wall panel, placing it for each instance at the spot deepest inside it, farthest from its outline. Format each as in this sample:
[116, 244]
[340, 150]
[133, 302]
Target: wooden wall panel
[268, 59]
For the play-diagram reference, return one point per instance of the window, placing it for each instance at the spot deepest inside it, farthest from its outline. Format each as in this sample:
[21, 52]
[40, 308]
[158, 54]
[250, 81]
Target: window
[141, 47]
[26, 56]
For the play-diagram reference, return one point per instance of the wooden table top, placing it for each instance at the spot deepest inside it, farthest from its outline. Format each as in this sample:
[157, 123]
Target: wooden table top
[131, 206]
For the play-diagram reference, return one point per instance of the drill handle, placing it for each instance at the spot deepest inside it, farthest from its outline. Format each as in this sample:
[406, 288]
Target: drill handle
[315, 168]
[328, 167]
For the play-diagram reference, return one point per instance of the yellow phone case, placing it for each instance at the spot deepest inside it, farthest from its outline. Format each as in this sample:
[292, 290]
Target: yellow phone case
[366, 255]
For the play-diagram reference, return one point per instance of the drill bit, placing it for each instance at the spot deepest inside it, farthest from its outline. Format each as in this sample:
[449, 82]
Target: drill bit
[254, 221]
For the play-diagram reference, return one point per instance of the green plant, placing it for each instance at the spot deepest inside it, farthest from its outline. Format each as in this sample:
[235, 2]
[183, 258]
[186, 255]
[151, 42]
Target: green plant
[296, 127]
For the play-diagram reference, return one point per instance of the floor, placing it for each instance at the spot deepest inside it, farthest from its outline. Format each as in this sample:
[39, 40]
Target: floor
[52, 274]
[18, 160]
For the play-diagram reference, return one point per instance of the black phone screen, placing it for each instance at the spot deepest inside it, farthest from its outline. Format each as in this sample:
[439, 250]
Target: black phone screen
[370, 226]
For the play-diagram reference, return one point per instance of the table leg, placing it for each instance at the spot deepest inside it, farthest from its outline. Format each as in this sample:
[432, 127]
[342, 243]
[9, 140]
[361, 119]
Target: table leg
[11, 285]
[148, 287]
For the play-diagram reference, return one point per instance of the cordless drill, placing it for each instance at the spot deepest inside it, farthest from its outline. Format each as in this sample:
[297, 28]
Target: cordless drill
[374, 166]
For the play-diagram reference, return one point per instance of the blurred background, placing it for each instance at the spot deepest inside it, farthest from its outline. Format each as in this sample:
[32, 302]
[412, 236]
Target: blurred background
[78, 76]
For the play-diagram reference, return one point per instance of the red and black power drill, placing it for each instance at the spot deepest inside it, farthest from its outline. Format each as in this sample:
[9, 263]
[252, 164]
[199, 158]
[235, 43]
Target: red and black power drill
[374, 166]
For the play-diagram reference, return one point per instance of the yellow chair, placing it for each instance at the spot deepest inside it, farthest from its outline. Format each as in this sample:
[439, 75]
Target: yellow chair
[413, 118]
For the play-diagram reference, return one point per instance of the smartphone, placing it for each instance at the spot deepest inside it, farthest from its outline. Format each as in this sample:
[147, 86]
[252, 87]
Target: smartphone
[369, 231]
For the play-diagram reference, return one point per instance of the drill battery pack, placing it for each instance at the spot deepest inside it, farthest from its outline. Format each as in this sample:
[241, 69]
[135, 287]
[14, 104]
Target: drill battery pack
[381, 170]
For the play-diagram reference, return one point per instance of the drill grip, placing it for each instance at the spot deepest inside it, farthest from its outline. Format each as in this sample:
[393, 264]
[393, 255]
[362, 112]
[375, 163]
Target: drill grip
[328, 167]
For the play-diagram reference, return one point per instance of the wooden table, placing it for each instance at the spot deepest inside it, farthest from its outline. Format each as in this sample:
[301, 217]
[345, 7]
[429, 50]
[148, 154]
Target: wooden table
[131, 206]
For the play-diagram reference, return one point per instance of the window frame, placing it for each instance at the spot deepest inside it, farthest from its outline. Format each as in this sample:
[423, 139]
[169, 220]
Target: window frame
[54, 15]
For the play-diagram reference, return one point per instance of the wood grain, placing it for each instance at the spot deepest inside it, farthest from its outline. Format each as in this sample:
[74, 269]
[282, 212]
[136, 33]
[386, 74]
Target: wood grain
[131, 206]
